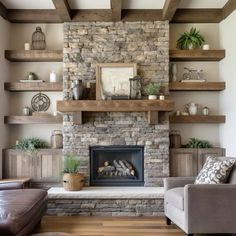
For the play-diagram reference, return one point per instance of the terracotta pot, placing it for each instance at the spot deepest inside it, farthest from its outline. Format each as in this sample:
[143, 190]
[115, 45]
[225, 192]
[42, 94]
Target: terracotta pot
[73, 181]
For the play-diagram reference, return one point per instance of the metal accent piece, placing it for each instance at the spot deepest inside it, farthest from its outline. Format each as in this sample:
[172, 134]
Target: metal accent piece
[40, 102]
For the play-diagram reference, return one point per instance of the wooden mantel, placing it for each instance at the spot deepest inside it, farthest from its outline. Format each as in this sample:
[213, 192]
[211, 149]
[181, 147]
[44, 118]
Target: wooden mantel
[150, 106]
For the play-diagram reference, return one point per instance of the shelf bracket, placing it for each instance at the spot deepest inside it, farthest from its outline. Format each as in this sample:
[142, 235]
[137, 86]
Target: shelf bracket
[153, 117]
[77, 118]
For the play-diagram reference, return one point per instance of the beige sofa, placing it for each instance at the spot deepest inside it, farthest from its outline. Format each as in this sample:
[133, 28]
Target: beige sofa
[201, 208]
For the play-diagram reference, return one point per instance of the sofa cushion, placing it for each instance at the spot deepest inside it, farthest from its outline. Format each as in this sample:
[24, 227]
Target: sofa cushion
[18, 208]
[215, 171]
[175, 196]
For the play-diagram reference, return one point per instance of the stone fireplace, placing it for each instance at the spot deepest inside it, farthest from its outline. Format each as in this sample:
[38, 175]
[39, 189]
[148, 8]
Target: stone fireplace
[144, 43]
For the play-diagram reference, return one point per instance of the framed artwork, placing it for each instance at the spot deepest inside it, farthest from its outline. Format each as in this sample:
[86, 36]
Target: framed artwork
[113, 80]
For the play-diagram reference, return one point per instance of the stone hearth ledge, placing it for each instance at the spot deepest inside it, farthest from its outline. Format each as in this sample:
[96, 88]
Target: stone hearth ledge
[108, 193]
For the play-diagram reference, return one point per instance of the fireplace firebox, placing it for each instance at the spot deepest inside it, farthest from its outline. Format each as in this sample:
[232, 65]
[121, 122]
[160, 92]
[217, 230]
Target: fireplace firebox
[117, 165]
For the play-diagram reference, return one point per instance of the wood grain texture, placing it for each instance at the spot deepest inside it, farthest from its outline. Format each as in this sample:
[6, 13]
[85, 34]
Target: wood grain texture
[3, 11]
[196, 55]
[114, 105]
[33, 120]
[228, 8]
[108, 226]
[183, 162]
[77, 118]
[63, 9]
[153, 117]
[196, 86]
[34, 55]
[45, 165]
[141, 15]
[116, 9]
[31, 87]
[197, 16]
[33, 16]
[169, 9]
[214, 119]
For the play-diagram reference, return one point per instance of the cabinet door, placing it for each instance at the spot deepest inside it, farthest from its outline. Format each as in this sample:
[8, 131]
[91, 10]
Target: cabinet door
[183, 162]
[203, 153]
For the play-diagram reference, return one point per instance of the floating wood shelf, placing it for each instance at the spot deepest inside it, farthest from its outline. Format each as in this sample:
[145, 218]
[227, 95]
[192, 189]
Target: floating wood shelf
[33, 119]
[34, 55]
[150, 106]
[217, 119]
[196, 86]
[196, 55]
[32, 86]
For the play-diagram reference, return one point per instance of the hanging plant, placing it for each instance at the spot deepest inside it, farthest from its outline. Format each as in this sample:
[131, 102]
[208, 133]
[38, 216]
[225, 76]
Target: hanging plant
[190, 40]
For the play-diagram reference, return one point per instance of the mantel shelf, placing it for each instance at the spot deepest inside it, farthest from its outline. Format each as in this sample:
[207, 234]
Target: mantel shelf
[33, 119]
[196, 86]
[196, 55]
[34, 55]
[32, 86]
[150, 106]
[214, 119]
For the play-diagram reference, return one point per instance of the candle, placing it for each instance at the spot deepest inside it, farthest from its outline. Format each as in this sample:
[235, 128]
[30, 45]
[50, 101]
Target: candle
[53, 77]
[162, 97]
[27, 46]
[206, 47]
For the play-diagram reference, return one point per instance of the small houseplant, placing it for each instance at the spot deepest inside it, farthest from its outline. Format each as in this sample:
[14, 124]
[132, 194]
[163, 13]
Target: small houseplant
[72, 179]
[190, 40]
[30, 144]
[152, 90]
[198, 143]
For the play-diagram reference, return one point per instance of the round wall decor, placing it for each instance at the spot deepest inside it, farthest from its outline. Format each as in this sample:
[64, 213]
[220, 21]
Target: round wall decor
[40, 102]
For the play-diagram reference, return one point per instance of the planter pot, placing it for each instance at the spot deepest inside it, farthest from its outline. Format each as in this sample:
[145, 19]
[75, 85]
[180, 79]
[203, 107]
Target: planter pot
[152, 97]
[73, 182]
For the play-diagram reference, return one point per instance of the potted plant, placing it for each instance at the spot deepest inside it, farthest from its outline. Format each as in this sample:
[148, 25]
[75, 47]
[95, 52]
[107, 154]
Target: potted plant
[152, 90]
[72, 179]
[198, 143]
[30, 144]
[190, 40]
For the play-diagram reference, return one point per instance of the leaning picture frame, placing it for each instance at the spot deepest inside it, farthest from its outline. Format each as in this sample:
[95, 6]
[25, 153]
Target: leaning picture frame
[113, 80]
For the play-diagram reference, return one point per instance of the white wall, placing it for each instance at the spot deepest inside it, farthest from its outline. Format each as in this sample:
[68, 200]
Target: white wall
[21, 33]
[228, 73]
[4, 40]
[211, 99]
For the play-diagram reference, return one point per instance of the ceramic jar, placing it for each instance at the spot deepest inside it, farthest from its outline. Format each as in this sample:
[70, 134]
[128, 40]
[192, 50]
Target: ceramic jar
[192, 108]
[57, 139]
[205, 111]
[77, 89]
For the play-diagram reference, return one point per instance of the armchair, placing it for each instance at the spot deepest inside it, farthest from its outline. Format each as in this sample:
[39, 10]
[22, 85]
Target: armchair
[201, 208]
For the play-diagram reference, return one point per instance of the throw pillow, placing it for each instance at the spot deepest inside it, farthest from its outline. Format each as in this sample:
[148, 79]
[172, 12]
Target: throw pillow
[215, 171]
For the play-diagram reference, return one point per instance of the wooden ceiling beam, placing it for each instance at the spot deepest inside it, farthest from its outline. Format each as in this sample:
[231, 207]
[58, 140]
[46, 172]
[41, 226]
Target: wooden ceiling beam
[63, 9]
[116, 9]
[197, 16]
[228, 8]
[3, 11]
[141, 15]
[169, 9]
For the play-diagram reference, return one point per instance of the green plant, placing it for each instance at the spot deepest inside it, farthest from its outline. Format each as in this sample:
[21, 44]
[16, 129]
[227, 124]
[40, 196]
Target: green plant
[71, 164]
[152, 89]
[193, 38]
[198, 143]
[30, 144]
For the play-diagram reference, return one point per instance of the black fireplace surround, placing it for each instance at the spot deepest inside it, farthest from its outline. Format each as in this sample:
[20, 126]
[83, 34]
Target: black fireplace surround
[117, 165]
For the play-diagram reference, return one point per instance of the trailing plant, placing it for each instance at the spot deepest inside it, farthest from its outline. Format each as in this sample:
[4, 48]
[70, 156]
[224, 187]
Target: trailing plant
[71, 164]
[193, 39]
[30, 144]
[152, 89]
[198, 143]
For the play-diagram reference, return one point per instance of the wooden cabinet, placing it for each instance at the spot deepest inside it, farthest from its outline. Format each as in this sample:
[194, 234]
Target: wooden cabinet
[189, 161]
[45, 165]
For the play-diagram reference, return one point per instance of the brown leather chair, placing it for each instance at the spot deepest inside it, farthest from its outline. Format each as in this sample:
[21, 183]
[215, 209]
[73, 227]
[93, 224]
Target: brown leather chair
[20, 209]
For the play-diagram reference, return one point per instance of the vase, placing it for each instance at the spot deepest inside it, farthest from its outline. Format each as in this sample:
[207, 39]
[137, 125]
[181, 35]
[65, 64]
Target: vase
[152, 97]
[77, 89]
[192, 108]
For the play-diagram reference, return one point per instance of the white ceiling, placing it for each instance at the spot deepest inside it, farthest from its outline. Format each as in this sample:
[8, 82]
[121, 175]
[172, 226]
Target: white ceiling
[105, 4]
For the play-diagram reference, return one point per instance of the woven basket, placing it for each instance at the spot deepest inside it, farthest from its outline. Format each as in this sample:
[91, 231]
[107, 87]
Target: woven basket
[73, 182]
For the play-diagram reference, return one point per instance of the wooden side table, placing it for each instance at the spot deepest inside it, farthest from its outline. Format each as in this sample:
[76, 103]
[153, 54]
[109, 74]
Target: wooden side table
[25, 181]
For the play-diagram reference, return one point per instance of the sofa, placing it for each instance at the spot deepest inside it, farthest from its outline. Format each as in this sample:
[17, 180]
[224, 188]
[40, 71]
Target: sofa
[20, 209]
[201, 208]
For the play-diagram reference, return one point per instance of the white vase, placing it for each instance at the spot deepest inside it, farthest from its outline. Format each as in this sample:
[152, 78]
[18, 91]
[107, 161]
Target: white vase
[152, 97]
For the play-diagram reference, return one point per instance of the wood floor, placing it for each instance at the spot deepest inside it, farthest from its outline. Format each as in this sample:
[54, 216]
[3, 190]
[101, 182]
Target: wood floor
[109, 226]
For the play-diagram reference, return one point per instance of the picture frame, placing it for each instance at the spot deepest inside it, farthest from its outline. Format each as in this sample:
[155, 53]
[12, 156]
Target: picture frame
[112, 80]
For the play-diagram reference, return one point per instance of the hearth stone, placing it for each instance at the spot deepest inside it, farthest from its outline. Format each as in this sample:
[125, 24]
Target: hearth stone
[107, 201]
